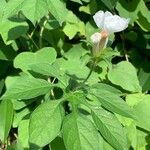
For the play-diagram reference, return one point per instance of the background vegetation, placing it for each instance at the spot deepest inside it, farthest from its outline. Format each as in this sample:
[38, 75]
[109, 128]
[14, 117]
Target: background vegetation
[45, 57]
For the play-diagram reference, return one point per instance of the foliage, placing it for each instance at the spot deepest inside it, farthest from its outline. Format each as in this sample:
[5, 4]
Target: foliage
[52, 96]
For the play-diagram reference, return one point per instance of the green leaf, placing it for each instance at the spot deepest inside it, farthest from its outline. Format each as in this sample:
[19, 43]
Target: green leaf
[57, 143]
[23, 133]
[110, 3]
[109, 98]
[6, 52]
[137, 11]
[12, 29]
[106, 88]
[79, 133]
[110, 128]
[25, 87]
[75, 62]
[6, 117]
[144, 79]
[141, 104]
[2, 8]
[53, 70]
[34, 10]
[45, 123]
[26, 59]
[124, 75]
[56, 8]
[19, 115]
[68, 30]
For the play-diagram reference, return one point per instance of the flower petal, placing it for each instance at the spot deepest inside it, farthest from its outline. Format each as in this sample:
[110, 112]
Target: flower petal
[96, 37]
[108, 14]
[115, 23]
[99, 18]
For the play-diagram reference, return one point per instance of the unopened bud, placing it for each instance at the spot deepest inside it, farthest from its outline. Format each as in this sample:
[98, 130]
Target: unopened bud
[99, 41]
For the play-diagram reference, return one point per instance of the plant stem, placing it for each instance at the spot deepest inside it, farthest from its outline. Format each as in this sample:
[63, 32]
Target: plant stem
[91, 70]
[125, 52]
[32, 41]
[41, 32]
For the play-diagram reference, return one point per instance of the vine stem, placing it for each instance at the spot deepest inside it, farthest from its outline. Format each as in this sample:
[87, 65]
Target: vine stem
[32, 41]
[91, 70]
[123, 42]
[41, 32]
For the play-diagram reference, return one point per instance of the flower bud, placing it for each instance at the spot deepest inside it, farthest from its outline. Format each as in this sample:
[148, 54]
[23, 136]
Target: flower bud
[99, 41]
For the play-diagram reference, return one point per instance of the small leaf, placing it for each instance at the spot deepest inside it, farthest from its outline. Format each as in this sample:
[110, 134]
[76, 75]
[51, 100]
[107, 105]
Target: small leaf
[45, 123]
[124, 75]
[25, 87]
[79, 133]
[110, 128]
[6, 117]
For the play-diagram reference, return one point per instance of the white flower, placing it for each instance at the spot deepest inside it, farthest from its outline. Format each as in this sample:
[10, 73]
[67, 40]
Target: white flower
[110, 23]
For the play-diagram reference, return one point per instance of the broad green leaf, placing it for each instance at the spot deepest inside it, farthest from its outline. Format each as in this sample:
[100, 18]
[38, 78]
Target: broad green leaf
[132, 134]
[109, 98]
[58, 9]
[6, 52]
[90, 8]
[134, 99]
[110, 3]
[124, 75]
[136, 11]
[6, 117]
[16, 146]
[142, 140]
[25, 87]
[45, 123]
[110, 128]
[137, 137]
[23, 103]
[106, 88]
[23, 133]
[11, 29]
[75, 64]
[71, 30]
[73, 26]
[57, 143]
[79, 133]
[141, 104]
[53, 70]
[2, 8]
[19, 115]
[26, 59]
[144, 79]
[55, 37]
[34, 10]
